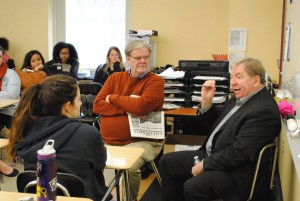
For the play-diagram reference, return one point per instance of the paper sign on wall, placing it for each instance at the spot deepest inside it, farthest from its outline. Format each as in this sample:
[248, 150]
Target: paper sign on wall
[238, 39]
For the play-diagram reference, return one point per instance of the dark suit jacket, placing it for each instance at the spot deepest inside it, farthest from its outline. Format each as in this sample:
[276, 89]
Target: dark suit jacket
[236, 145]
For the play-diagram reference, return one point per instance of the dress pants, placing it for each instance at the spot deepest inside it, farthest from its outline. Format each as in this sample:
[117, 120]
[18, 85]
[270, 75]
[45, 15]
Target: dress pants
[178, 183]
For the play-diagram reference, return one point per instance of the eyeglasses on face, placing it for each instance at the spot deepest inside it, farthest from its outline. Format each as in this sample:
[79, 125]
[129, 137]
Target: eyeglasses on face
[145, 58]
[64, 53]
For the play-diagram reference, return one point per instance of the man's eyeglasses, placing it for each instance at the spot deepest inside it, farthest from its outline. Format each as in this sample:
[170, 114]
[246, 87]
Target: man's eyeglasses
[145, 58]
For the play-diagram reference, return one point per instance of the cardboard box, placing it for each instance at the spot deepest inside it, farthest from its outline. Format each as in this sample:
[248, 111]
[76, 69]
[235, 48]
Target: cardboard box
[173, 141]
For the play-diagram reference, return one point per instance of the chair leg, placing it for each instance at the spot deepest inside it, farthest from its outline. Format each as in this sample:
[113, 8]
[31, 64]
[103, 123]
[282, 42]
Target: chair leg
[118, 192]
[114, 183]
[274, 165]
[156, 172]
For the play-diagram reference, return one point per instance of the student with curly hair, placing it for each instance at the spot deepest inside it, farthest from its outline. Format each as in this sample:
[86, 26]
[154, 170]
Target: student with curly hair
[65, 53]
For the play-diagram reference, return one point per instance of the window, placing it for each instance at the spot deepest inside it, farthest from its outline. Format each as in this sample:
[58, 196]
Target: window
[92, 26]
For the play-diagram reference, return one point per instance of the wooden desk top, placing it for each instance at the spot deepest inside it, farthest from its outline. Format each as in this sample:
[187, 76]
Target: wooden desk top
[3, 143]
[181, 112]
[14, 196]
[119, 157]
[7, 102]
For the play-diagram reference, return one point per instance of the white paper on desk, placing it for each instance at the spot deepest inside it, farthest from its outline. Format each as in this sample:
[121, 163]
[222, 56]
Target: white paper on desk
[170, 73]
[168, 106]
[114, 161]
[182, 147]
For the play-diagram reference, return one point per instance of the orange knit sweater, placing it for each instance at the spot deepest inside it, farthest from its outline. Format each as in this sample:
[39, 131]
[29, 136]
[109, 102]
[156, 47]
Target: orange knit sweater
[148, 95]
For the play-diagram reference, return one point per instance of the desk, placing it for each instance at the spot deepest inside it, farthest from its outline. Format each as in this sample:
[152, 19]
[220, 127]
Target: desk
[14, 196]
[8, 106]
[7, 102]
[186, 121]
[181, 112]
[3, 143]
[122, 158]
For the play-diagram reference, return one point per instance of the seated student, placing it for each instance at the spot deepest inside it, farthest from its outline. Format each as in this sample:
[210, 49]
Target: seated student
[10, 86]
[48, 111]
[7, 171]
[4, 43]
[64, 53]
[227, 159]
[137, 92]
[33, 60]
[114, 63]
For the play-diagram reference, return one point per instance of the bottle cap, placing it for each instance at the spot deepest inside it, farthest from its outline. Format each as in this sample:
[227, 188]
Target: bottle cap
[48, 149]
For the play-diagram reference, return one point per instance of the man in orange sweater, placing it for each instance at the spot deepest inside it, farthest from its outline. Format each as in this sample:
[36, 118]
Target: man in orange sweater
[137, 92]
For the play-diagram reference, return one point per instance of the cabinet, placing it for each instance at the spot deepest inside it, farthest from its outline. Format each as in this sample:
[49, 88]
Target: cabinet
[175, 93]
[222, 80]
[186, 91]
[289, 165]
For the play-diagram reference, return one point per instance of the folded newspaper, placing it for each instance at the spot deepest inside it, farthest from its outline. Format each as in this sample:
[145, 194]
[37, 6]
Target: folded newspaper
[152, 126]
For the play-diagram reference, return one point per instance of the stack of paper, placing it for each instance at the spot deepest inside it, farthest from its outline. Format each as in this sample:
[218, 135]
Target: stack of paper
[209, 78]
[169, 106]
[171, 74]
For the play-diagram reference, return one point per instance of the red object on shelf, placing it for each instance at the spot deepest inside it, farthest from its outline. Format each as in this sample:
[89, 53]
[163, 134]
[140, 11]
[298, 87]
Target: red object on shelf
[220, 57]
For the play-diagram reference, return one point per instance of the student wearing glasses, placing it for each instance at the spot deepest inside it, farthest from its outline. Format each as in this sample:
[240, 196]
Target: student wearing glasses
[114, 63]
[65, 53]
[138, 92]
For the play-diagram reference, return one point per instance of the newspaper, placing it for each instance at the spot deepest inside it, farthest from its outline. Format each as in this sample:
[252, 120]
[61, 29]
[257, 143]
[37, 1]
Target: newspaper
[152, 126]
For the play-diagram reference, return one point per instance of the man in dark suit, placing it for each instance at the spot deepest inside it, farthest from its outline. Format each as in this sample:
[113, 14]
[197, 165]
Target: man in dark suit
[225, 169]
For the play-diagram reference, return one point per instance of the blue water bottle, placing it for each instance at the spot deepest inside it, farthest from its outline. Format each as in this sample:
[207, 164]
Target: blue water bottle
[46, 172]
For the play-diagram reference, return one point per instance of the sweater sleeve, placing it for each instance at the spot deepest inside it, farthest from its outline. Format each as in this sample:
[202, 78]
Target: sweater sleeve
[103, 108]
[150, 99]
[138, 97]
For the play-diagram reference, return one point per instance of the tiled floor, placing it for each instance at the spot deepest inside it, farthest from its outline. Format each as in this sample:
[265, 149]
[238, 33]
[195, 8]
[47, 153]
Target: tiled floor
[9, 184]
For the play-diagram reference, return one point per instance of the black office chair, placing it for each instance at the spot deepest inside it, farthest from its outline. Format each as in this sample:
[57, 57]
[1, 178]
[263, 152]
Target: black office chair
[265, 171]
[89, 87]
[67, 184]
[88, 92]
